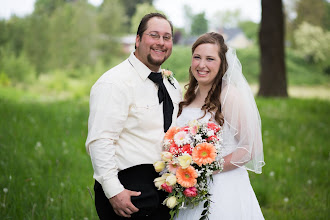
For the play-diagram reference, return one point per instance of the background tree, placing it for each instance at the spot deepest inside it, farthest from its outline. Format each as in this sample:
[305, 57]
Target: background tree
[271, 39]
[314, 12]
[199, 24]
[13, 33]
[14, 65]
[141, 10]
[73, 36]
[326, 18]
[111, 21]
[48, 6]
[36, 40]
[311, 11]
[313, 44]
[130, 8]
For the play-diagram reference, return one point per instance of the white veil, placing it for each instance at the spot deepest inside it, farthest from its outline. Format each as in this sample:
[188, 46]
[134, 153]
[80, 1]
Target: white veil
[241, 117]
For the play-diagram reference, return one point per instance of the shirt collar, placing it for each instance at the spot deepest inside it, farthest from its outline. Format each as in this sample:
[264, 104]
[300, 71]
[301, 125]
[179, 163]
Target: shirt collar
[140, 67]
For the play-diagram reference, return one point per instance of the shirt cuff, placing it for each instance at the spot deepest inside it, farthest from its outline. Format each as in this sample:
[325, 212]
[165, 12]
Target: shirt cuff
[112, 187]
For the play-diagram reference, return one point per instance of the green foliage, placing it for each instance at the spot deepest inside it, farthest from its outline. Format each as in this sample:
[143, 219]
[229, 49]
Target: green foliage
[111, 22]
[131, 6]
[65, 34]
[48, 6]
[17, 68]
[199, 24]
[4, 79]
[179, 63]
[250, 60]
[111, 18]
[36, 41]
[306, 9]
[73, 36]
[250, 30]
[326, 18]
[57, 81]
[4, 36]
[71, 83]
[301, 72]
[314, 12]
[12, 34]
[312, 42]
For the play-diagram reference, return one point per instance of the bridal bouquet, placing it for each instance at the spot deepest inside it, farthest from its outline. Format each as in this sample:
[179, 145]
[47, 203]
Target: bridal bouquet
[192, 153]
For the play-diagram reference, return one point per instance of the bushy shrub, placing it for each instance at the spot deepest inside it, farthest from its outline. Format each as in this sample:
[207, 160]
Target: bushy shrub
[56, 80]
[17, 68]
[179, 63]
[312, 43]
[4, 79]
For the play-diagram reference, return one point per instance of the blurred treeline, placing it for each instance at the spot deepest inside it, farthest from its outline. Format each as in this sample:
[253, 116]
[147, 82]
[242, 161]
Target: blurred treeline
[76, 39]
[69, 35]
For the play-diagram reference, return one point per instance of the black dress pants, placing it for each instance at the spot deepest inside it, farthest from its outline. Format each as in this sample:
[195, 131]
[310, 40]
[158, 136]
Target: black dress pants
[137, 178]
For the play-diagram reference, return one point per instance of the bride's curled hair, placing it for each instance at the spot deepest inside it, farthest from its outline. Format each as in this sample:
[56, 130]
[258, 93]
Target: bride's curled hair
[212, 100]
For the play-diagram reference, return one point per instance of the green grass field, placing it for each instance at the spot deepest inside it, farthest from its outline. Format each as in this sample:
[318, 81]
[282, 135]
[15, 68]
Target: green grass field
[46, 172]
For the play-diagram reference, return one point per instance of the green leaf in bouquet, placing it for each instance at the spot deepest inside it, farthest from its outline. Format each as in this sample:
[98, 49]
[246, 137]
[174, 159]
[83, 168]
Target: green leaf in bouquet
[206, 203]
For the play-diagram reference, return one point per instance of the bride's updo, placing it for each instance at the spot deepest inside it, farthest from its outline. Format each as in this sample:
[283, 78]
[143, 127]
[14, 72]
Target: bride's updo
[212, 101]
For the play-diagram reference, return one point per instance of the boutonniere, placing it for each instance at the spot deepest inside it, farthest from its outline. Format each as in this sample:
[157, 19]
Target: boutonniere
[169, 75]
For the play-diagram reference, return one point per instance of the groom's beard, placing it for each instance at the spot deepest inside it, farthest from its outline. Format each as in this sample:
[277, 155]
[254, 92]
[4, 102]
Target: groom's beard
[156, 62]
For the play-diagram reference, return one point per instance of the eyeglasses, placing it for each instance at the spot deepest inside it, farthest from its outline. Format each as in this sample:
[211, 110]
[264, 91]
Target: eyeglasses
[156, 36]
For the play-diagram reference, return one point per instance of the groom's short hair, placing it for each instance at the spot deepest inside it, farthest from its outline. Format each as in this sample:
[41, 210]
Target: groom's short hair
[144, 21]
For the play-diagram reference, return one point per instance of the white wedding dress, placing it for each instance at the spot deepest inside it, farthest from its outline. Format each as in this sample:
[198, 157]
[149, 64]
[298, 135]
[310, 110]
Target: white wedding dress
[232, 195]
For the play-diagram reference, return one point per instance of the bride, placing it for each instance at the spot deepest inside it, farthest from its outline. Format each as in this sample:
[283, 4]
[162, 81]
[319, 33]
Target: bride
[218, 92]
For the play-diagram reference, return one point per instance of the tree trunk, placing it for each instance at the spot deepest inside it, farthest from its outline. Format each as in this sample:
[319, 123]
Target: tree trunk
[271, 40]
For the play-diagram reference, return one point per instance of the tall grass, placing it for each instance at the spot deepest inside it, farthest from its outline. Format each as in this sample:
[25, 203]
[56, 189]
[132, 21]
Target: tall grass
[45, 170]
[295, 180]
[44, 167]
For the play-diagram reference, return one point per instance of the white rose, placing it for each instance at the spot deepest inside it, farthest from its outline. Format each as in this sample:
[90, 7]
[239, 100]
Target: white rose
[185, 161]
[158, 182]
[171, 180]
[166, 156]
[159, 166]
[170, 202]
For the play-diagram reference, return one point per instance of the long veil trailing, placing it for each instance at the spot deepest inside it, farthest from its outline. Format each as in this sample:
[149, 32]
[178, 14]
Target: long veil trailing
[242, 116]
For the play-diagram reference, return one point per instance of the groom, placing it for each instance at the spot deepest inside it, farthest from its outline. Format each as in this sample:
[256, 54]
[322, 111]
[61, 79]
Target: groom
[131, 106]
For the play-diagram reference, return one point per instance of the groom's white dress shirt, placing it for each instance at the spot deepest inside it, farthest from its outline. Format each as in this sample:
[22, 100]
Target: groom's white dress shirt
[125, 125]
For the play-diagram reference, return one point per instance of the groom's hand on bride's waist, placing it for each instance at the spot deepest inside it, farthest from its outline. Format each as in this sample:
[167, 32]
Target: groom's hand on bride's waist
[122, 205]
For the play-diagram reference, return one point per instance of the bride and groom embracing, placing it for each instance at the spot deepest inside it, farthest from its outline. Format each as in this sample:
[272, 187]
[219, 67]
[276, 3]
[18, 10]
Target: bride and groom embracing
[134, 104]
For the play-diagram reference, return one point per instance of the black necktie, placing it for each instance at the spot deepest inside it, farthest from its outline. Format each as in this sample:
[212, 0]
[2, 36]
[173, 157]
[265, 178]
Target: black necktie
[163, 96]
